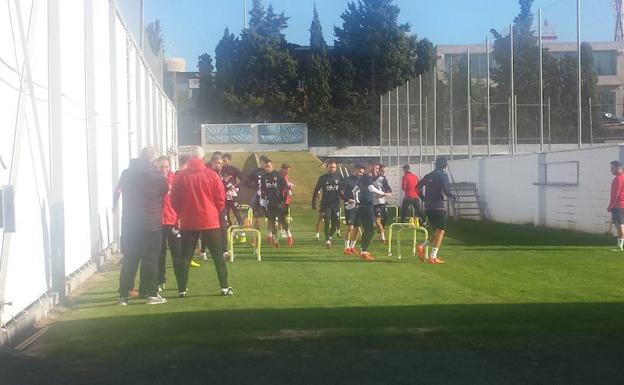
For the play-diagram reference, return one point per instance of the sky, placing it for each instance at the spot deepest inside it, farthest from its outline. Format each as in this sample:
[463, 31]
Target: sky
[193, 27]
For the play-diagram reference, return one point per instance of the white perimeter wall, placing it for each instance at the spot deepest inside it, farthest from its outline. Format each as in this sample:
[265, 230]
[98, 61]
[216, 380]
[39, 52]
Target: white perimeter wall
[511, 188]
[109, 107]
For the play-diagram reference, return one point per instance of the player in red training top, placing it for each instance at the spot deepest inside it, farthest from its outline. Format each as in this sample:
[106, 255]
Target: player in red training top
[616, 204]
[287, 192]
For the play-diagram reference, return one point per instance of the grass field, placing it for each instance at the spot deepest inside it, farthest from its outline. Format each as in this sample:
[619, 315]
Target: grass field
[513, 305]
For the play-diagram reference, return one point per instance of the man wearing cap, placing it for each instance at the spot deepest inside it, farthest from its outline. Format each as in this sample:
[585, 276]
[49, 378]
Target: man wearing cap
[436, 187]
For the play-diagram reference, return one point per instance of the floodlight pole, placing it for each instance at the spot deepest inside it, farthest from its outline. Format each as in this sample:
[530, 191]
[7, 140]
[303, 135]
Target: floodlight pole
[435, 110]
[407, 93]
[469, 109]
[380, 128]
[398, 128]
[509, 124]
[591, 124]
[489, 120]
[511, 127]
[578, 88]
[426, 127]
[389, 126]
[420, 121]
[541, 80]
[451, 105]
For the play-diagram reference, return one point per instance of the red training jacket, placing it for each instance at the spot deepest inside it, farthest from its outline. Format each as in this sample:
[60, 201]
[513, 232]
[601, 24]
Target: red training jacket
[286, 191]
[198, 196]
[169, 216]
[409, 184]
[617, 192]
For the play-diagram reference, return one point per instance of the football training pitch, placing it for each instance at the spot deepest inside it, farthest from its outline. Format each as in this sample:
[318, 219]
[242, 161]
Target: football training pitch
[512, 305]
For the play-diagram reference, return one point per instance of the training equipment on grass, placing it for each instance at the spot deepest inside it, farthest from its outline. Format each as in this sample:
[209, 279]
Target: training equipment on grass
[236, 229]
[241, 231]
[413, 224]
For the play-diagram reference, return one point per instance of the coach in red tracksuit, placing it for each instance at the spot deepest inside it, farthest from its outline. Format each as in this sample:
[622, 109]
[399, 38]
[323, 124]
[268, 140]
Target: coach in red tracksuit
[198, 197]
[409, 185]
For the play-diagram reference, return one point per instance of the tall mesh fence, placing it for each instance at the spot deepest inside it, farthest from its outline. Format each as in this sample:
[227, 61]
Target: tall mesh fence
[504, 95]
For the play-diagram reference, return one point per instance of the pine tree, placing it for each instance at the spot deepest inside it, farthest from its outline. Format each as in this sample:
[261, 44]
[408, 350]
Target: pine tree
[381, 53]
[318, 69]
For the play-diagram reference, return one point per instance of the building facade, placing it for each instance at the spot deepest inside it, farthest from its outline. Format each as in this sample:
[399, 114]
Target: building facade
[608, 62]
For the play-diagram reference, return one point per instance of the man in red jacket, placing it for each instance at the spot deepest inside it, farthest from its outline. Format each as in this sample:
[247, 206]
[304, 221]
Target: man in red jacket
[616, 204]
[411, 198]
[198, 197]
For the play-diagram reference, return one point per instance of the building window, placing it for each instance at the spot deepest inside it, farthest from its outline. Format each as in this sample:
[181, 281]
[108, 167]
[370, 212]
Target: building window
[607, 102]
[478, 63]
[605, 62]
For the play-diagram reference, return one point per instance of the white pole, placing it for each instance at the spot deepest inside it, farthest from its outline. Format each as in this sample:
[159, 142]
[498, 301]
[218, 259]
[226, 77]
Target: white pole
[389, 126]
[489, 119]
[549, 138]
[420, 121]
[398, 128]
[591, 124]
[435, 111]
[578, 88]
[509, 125]
[512, 128]
[409, 152]
[451, 106]
[380, 128]
[541, 81]
[515, 124]
[426, 128]
[468, 106]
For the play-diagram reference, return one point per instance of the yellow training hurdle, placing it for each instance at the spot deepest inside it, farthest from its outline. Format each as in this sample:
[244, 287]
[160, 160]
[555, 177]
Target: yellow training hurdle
[414, 225]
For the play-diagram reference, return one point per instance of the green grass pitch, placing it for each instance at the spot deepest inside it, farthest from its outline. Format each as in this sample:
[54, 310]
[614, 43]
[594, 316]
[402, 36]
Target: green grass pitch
[513, 305]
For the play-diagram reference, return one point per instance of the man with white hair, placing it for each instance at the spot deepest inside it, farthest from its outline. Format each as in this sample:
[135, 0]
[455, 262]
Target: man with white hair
[198, 197]
[143, 189]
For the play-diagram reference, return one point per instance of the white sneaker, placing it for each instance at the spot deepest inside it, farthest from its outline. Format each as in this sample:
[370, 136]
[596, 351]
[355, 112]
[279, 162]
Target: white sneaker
[203, 256]
[328, 243]
[182, 294]
[158, 300]
[227, 291]
[317, 236]
[227, 256]
[122, 302]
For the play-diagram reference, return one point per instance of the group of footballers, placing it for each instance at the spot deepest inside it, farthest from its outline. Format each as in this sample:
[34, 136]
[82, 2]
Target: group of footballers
[362, 194]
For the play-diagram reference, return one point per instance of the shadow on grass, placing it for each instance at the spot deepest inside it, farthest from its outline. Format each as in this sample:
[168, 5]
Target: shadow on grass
[478, 233]
[575, 343]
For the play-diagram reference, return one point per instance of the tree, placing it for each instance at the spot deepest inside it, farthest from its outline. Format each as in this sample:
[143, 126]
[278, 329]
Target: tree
[525, 74]
[155, 36]
[376, 53]
[206, 104]
[318, 69]
[258, 83]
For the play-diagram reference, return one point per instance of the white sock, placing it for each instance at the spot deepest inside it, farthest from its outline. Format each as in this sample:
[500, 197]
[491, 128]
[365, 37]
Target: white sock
[426, 243]
[289, 234]
[270, 234]
[352, 244]
[346, 244]
[620, 242]
[318, 235]
[383, 236]
[434, 252]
